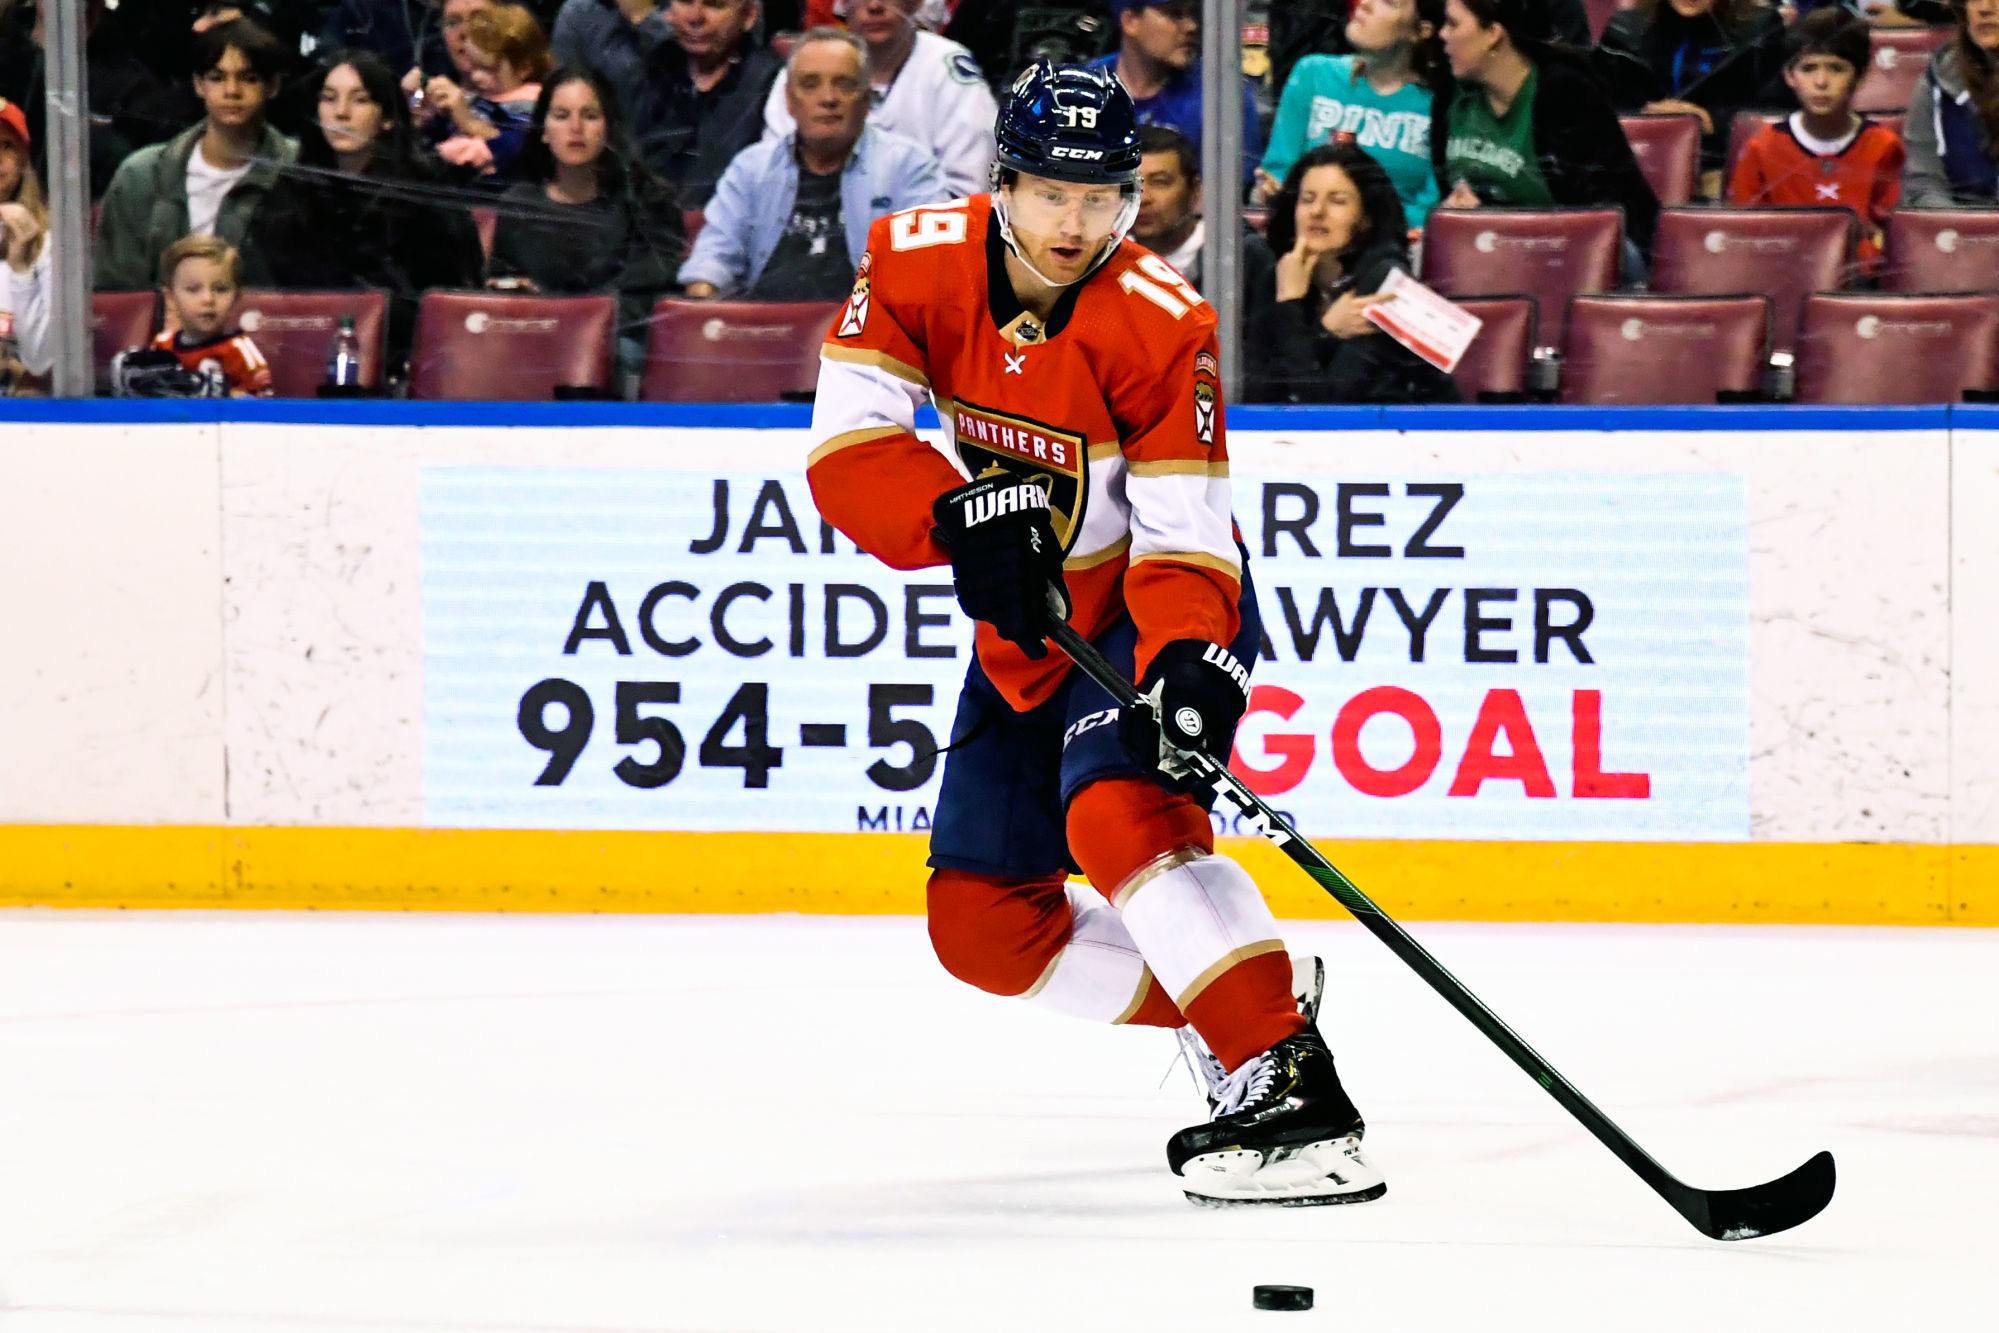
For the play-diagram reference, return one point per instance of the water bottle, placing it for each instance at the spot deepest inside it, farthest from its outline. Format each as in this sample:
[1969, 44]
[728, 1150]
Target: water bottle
[343, 368]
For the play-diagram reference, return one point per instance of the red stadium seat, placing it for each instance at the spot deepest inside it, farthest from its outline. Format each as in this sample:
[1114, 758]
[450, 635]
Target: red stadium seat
[1943, 250]
[488, 345]
[1664, 349]
[1496, 361]
[1550, 255]
[734, 351]
[119, 320]
[1893, 121]
[295, 331]
[1668, 149]
[1858, 347]
[1781, 253]
[1900, 56]
[1740, 131]
[1600, 13]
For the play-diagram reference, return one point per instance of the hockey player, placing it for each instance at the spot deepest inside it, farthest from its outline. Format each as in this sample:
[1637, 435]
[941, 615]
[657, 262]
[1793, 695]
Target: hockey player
[1077, 374]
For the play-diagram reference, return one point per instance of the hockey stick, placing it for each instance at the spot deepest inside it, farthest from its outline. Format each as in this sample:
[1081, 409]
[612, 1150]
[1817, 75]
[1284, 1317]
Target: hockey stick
[1723, 1214]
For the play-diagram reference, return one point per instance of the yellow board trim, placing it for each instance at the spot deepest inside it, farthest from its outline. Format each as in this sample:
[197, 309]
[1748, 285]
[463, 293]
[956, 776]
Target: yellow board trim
[400, 869]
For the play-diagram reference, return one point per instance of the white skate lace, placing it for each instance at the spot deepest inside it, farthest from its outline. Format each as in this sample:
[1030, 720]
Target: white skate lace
[1201, 1062]
[1246, 1085]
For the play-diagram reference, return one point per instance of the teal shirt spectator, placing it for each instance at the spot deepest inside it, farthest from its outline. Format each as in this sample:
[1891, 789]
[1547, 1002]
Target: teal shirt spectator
[1326, 96]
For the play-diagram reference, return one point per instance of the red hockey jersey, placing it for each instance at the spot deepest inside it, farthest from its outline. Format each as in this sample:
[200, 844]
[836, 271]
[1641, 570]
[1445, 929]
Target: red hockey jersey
[1779, 169]
[231, 362]
[1115, 406]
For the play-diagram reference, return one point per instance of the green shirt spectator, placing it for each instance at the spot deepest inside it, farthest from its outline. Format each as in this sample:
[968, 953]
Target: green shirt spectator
[1494, 154]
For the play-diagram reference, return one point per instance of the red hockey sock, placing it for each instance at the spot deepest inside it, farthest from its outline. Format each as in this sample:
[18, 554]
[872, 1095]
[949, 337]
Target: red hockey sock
[1248, 1009]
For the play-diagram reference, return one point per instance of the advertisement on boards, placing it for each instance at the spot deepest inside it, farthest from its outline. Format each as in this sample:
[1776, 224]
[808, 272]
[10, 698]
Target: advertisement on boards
[1551, 655]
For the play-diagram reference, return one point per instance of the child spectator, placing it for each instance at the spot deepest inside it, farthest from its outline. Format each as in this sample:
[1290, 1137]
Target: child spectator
[207, 180]
[203, 282]
[1381, 95]
[1826, 154]
[1953, 124]
[24, 261]
[1338, 230]
[509, 58]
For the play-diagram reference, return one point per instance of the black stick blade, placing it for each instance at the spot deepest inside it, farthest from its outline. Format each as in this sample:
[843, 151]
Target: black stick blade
[1760, 1210]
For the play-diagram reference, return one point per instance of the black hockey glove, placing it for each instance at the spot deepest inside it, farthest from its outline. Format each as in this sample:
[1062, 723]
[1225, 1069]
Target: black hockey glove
[1005, 558]
[1195, 693]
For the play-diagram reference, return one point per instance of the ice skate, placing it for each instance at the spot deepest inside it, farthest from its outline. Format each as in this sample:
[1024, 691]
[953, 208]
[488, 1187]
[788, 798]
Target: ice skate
[1289, 1135]
[1308, 985]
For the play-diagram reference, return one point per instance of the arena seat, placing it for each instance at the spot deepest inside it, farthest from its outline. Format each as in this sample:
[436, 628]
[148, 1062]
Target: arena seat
[1943, 250]
[1548, 254]
[1668, 149]
[734, 351]
[1865, 347]
[1740, 131]
[1664, 349]
[1600, 13]
[491, 345]
[295, 331]
[1781, 253]
[1893, 121]
[1496, 361]
[1900, 56]
[119, 320]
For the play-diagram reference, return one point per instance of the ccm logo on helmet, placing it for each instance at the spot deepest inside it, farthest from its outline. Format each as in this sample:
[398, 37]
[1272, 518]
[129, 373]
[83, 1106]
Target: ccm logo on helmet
[1081, 154]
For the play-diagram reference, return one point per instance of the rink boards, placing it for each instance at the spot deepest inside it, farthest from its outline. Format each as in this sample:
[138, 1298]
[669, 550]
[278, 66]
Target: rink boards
[1661, 664]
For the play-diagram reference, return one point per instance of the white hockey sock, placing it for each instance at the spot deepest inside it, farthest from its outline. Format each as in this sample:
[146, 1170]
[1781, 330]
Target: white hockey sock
[1194, 916]
[1100, 973]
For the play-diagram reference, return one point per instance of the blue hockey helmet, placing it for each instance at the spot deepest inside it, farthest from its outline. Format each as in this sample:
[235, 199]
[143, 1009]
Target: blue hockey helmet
[1069, 124]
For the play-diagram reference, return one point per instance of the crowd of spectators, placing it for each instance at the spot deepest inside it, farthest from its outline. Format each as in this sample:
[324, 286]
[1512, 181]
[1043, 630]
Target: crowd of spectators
[732, 149]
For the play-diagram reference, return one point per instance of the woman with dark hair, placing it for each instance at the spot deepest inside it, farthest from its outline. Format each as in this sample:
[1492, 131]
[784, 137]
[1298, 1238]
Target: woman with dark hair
[362, 208]
[585, 215]
[1953, 127]
[1526, 125]
[1338, 228]
[1380, 95]
[1702, 58]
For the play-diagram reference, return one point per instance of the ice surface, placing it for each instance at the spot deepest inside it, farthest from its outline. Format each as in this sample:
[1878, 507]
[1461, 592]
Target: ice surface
[458, 1124]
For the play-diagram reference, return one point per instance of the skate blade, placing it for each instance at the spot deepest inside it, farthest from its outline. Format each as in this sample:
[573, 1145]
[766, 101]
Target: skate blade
[1310, 1175]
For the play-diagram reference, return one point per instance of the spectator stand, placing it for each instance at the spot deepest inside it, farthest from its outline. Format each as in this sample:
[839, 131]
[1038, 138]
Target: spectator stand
[1900, 57]
[734, 351]
[1550, 255]
[1943, 250]
[1782, 253]
[1865, 347]
[1668, 149]
[295, 332]
[1631, 349]
[503, 348]
[1495, 368]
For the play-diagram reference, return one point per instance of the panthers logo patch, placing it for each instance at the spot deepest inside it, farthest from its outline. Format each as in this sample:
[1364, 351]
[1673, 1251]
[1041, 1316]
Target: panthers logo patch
[854, 316]
[1204, 411]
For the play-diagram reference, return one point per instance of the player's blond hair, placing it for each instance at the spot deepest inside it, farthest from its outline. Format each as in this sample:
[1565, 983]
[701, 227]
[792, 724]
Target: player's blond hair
[212, 248]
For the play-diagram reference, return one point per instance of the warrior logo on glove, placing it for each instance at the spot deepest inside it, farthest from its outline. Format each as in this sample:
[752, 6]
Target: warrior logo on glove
[1055, 458]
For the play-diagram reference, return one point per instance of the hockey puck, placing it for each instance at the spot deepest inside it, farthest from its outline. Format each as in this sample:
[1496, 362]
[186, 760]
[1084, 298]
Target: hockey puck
[1281, 1298]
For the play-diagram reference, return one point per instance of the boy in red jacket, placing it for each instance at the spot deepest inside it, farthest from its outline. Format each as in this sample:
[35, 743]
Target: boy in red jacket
[1826, 154]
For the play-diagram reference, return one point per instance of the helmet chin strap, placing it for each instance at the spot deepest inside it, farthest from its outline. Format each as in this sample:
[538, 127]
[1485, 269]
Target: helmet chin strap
[1127, 214]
